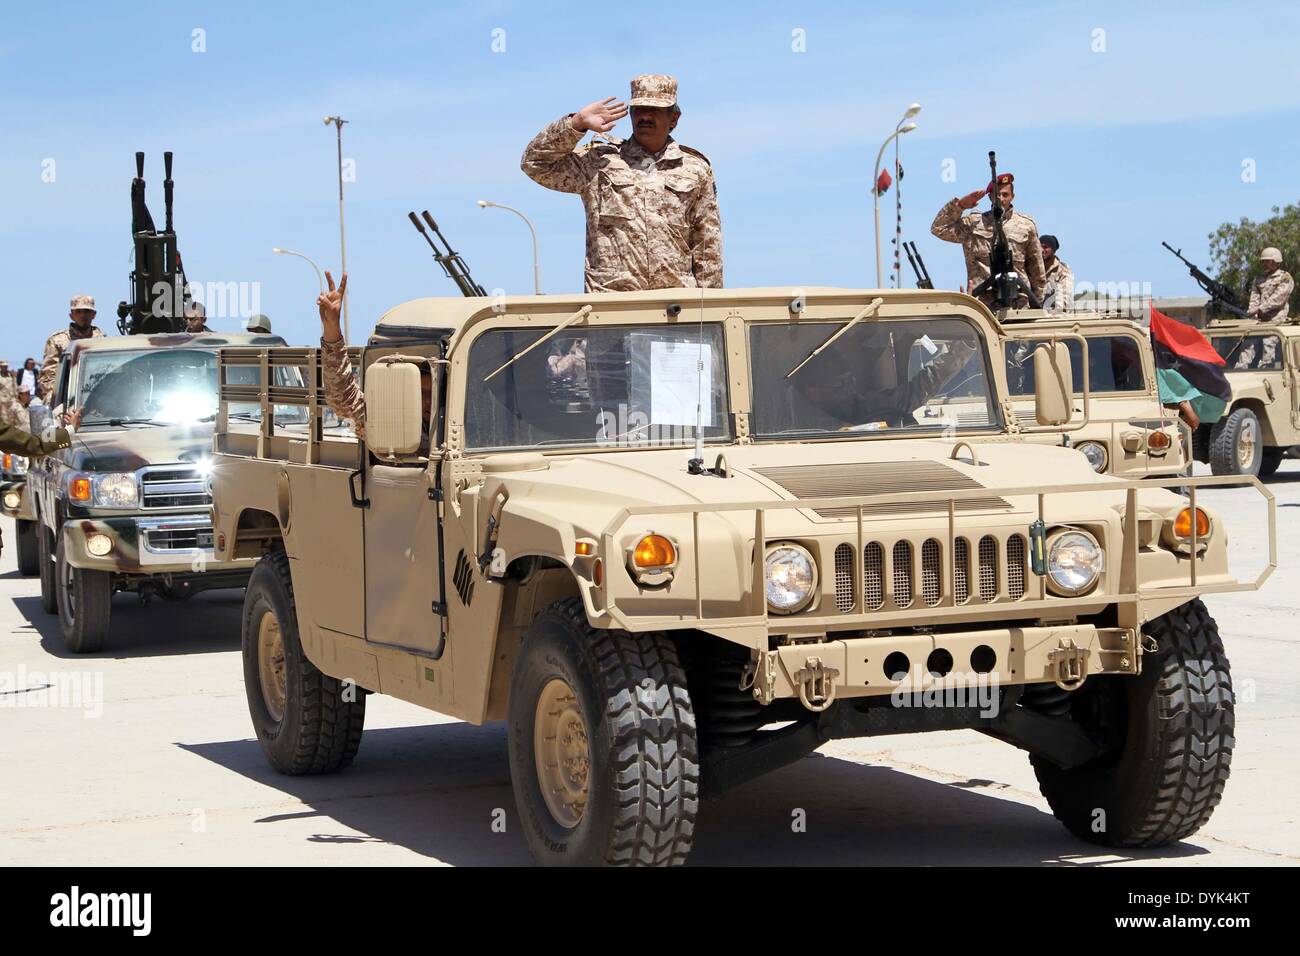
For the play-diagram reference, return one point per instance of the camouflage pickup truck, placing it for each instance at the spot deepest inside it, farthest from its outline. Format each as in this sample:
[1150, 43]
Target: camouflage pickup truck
[126, 508]
[677, 539]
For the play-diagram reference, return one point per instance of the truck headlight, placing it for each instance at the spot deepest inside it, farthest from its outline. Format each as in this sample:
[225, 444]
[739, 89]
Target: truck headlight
[12, 500]
[1074, 562]
[791, 578]
[1095, 452]
[116, 490]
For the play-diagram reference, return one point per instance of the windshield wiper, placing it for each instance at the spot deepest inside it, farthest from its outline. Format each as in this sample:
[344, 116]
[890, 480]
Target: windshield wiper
[121, 421]
[875, 304]
[577, 316]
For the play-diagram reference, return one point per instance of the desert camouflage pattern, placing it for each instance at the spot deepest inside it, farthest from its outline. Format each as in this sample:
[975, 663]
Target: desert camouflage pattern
[1058, 292]
[55, 346]
[652, 221]
[1270, 295]
[341, 391]
[975, 233]
[12, 411]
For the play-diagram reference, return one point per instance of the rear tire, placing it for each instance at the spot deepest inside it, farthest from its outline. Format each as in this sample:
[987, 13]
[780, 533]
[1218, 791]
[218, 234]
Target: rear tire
[1172, 734]
[29, 558]
[45, 556]
[613, 711]
[306, 721]
[1270, 462]
[1236, 446]
[85, 601]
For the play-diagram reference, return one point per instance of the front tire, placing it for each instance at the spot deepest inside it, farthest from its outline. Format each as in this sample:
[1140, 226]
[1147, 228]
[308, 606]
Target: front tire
[85, 600]
[604, 760]
[306, 721]
[1171, 735]
[1270, 462]
[29, 558]
[1236, 444]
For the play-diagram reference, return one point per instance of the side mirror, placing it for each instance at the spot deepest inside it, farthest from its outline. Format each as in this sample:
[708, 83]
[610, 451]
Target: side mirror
[394, 416]
[1053, 384]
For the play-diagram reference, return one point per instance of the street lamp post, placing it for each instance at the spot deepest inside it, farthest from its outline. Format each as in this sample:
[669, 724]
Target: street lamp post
[289, 252]
[338, 122]
[903, 127]
[537, 269]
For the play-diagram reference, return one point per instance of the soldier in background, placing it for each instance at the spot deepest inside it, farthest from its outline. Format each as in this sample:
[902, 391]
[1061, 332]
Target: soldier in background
[975, 233]
[1058, 290]
[196, 318]
[81, 325]
[8, 391]
[1270, 294]
[258, 324]
[651, 203]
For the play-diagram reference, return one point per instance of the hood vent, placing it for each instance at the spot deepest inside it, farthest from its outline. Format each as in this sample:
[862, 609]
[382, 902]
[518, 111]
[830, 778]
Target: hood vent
[880, 478]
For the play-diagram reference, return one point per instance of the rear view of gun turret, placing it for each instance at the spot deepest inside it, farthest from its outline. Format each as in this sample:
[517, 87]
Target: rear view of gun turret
[158, 288]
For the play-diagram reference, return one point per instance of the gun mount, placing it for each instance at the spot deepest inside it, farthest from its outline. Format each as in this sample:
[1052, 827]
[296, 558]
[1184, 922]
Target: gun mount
[158, 288]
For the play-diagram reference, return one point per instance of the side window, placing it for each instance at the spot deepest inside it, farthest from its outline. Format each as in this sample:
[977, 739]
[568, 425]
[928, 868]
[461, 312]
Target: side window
[61, 382]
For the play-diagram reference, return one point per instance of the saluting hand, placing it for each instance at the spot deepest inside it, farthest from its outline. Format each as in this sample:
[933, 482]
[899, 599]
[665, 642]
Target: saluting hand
[971, 200]
[330, 305]
[599, 117]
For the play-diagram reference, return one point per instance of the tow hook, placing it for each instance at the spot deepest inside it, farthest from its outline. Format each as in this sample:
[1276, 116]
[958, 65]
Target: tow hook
[816, 683]
[1070, 662]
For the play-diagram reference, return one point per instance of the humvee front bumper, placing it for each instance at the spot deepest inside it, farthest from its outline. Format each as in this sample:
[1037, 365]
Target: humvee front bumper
[15, 502]
[162, 544]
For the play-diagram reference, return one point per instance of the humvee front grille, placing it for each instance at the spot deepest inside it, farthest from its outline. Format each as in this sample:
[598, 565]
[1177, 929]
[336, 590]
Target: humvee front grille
[896, 563]
[173, 487]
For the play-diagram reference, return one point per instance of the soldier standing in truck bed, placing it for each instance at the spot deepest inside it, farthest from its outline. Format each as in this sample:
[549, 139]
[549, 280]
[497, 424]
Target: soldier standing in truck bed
[1270, 293]
[651, 203]
[81, 325]
[975, 233]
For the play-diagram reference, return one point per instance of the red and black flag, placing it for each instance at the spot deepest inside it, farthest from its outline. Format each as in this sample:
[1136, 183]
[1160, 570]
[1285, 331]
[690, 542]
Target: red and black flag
[1188, 368]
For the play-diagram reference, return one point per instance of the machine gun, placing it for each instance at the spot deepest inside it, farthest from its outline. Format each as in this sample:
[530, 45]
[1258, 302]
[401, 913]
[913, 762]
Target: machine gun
[918, 266]
[1005, 283]
[1222, 299]
[452, 264]
[159, 292]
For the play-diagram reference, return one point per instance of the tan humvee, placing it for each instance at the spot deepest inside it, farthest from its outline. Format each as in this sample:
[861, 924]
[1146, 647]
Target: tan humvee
[1128, 432]
[126, 507]
[659, 616]
[1263, 421]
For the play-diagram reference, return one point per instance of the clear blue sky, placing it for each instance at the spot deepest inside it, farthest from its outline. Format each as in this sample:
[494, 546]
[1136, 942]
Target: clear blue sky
[1113, 151]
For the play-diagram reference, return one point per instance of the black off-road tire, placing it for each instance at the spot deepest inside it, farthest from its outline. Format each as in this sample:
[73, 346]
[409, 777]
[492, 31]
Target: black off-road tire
[320, 729]
[1175, 739]
[1270, 461]
[45, 557]
[643, 791]
[85, 613]
[1224, 438]
[28, 547]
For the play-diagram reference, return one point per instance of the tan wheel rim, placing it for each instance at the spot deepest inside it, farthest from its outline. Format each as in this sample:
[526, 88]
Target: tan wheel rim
[562, 753]
[270, 666]
[1246, 441]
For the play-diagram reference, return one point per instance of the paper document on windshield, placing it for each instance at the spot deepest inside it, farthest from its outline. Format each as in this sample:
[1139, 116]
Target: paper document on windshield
[678, 386]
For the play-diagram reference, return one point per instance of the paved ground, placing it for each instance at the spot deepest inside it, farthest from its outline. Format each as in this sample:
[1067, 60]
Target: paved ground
[166, 772]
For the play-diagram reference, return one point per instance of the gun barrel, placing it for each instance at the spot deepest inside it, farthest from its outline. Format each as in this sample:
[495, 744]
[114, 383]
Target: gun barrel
[139, 165]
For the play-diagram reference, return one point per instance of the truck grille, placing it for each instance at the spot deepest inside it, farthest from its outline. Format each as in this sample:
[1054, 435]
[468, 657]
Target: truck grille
[178, 487]
[1000, 573]
[179, 539]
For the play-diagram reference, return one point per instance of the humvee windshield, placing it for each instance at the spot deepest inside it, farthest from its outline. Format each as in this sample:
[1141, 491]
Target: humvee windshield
[604, 385]
[1249, 353]
[1114, 364]
[898, 374]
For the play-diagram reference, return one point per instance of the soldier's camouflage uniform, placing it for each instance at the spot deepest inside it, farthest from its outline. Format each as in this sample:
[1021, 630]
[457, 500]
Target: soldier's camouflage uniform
[1270, 295]
[341, 391]
[54, 349]
[19, 441]
[652, 220]
[12, 411]
[975, 233]
[1058, 291]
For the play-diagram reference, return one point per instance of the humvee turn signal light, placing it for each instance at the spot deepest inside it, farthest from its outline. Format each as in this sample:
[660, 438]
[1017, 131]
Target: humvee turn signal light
[79, 489]
[1183, 524]
[584, 549]
[1157, 440]
[654, 551]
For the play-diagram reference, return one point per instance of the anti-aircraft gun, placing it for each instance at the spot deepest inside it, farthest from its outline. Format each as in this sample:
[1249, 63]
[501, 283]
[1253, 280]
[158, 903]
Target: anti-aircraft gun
[159, 292]
[1004, 282]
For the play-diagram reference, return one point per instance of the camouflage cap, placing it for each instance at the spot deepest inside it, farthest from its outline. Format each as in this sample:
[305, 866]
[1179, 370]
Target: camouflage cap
[258, 323]
[1271, 254]
[82, 302]
[654, 89]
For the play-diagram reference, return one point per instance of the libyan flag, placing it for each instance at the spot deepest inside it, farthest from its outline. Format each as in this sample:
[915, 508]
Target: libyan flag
[1188, 369]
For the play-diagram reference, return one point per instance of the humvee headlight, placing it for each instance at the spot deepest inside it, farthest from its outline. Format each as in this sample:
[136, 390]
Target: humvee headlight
[118, 490]
[791, 576]
[1074, 562]
[1183, 525]
[654, 552]
[99, 544]
[1095, 452]
[12, 499]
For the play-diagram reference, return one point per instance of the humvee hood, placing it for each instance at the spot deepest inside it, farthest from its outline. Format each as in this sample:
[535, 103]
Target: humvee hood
[135, 446]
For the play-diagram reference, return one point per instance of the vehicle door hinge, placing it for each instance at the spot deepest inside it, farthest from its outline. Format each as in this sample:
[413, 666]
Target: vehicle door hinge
[440, 608]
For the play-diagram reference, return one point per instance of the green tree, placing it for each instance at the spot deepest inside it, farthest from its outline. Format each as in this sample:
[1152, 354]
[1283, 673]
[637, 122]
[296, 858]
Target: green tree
[1235, 249]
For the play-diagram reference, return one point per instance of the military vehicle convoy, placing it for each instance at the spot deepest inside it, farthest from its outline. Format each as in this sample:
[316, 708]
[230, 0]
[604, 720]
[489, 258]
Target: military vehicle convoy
[1128, 432]
[680, 538]
[126, 508]
[16, 503]
[1263, 421]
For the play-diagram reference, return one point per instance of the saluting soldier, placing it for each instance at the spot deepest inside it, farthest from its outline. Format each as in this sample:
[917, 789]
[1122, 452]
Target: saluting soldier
[1270, 293]
[975, 233]
[651, 203]
[81, 325]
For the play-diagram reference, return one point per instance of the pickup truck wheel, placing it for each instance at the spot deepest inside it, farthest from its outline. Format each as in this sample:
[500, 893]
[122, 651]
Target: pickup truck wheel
[1171, 730]
[45, 557]
[29, 558]
[306, 721]
[603, 755]
[1236, 444]
[1268, 463]
[85, 600]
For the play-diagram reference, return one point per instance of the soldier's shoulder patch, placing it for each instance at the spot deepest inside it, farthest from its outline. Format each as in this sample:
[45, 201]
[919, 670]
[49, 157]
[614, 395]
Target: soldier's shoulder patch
[695, 152]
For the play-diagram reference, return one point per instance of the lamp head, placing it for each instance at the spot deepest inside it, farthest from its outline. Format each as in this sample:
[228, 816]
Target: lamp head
[912, 111]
